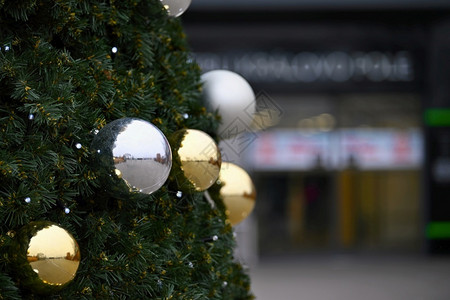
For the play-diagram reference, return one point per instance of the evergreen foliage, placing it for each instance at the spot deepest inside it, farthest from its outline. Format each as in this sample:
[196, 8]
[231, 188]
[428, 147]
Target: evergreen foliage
[60, 81]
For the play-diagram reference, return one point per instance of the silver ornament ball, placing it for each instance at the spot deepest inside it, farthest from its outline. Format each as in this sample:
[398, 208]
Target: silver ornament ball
[233, 97]
[176, 8]
[136, 153]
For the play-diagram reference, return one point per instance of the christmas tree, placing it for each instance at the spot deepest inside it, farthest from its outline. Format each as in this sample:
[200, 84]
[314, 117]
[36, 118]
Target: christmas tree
[69, 69]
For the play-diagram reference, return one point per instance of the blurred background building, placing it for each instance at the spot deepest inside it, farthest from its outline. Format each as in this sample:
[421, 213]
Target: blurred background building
[351, 145]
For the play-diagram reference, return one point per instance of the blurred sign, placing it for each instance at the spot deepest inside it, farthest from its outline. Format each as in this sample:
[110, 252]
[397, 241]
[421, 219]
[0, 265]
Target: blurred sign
[289, 150]
[307, 67]
[360, 148]
[381, 149]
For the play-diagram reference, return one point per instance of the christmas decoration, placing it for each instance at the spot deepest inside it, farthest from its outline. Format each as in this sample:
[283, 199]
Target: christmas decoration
[199, 156]
[83, 73]
[232, 96]
[46, 257]
[238, 192]
[136, 152]
[176, 8]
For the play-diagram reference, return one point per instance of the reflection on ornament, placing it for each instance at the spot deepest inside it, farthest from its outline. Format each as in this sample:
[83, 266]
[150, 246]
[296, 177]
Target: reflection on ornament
[238, 192]
[233, 97]
[176, 8]
[136, 154]
[46, 257]
[199, 156]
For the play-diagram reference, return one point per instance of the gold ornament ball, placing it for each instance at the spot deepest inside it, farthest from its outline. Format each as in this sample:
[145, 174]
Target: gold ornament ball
[238, 192]
[200, 158]
[46, 257]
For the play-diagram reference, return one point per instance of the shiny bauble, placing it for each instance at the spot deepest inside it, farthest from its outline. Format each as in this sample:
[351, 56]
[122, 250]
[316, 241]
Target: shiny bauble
[135, 155]
[199, 157]
[233, 97]
[46, 257]
[238, 192]
[176, 8]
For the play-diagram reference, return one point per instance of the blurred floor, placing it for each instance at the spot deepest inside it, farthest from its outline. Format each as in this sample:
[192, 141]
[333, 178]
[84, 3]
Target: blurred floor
[352, 277]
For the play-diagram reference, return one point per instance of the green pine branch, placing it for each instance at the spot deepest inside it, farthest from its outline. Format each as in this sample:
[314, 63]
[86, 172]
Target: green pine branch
[61, 82]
